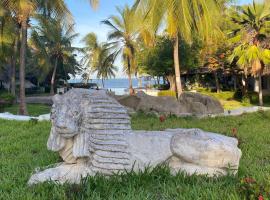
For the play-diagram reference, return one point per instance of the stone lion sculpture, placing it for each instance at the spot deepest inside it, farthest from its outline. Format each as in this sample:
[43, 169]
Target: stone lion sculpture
[92, 133]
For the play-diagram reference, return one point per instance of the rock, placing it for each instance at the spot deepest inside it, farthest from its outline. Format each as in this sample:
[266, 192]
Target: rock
[91, 131]
[204, 104]
[188, 104]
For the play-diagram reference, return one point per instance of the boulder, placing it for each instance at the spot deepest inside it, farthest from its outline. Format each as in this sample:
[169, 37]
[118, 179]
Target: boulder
[188, 104]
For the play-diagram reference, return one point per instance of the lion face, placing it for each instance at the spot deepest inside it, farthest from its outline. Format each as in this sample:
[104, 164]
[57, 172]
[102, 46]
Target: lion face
[65, 116]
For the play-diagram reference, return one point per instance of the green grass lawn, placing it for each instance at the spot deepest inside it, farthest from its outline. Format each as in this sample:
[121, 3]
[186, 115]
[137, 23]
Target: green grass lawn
[23, 148]
[33, 109]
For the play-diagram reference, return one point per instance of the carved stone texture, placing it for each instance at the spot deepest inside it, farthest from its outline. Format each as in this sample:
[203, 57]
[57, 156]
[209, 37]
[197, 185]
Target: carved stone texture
[92, 133]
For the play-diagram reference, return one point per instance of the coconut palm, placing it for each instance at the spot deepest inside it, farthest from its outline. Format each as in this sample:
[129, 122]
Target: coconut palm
[51, 49]
[9, 45]
[98, 58]
[183, 19]
[252, 45]
[91, 50]
[23, 10]
[106, 68]
[123, 34]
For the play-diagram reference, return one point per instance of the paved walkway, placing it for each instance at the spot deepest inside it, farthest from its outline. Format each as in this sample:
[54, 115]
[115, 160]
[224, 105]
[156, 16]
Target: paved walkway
[243, 110]
[46, 117]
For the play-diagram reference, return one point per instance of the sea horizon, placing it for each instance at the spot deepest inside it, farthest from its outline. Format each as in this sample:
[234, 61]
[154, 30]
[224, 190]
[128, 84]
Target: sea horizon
[118, 85]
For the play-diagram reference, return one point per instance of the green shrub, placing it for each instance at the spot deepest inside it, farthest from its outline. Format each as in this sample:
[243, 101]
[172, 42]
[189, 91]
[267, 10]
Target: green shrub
[162, 86]
[6, 99]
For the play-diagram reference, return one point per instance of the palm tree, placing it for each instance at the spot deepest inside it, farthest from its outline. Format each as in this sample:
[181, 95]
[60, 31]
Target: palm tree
[98, 58]
[183, 19]
[124, 31]
[9, 45]
[91, 50]
[106, 68]
[23, 10]
[51, 49]
[252, 45]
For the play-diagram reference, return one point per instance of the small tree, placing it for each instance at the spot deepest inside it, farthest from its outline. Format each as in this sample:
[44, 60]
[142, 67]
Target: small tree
[183, 19]
[158, 60]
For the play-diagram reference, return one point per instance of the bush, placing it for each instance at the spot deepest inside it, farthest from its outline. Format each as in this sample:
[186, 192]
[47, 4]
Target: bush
[6, 98]
[238, 94]
[162, 87]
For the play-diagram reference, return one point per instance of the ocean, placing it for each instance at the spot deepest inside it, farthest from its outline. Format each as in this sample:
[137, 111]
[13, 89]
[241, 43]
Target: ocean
[118, 85]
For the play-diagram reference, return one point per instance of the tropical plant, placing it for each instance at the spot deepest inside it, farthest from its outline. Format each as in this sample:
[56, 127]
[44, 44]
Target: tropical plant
[106, 68]
[22, 11]
[8, 47]
[183, 19]
[251, 38]
[53, 50]
[98, 58]
[123, 34]
[158, 60]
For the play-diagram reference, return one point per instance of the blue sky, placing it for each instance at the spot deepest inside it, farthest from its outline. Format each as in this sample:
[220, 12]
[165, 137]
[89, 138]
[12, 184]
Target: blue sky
[88, 20]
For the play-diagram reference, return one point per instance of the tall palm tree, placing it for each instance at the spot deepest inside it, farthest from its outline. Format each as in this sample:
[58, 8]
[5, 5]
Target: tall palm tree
[91, 50]
[123, 34]
[98, 58]
[252, 45]
[23, 10]
[9, 44]
[183, 18]
[52, 48]
[106, 68]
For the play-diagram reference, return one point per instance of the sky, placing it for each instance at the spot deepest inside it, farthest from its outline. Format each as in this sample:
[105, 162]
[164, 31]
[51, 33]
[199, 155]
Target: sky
[88, 20]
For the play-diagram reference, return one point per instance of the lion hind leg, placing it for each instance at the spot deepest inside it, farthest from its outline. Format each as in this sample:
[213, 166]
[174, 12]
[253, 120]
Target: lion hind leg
[205, 149]
[177, 165]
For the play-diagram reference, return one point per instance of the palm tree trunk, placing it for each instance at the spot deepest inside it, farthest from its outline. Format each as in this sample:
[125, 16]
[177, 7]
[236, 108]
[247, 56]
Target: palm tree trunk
[22, 107]
[158, 80]
[216, 80]
[13, 67]
[171, 80]
[102, 80]
[244, 82]
[235, 82]
[131, 91]
[260, 90]
[177, 67]
[53, 76]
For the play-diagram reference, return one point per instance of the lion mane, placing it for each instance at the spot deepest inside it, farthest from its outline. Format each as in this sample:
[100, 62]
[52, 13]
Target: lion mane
[101, 127]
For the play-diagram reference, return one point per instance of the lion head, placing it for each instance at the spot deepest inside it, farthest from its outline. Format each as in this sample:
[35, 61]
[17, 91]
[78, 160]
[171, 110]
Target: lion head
[66, 115]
